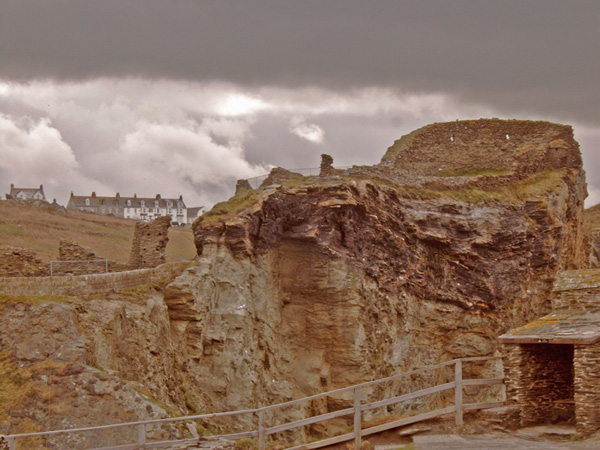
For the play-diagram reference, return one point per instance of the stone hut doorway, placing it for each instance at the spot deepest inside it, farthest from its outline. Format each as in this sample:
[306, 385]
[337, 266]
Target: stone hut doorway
[542, 379]
[552, 371]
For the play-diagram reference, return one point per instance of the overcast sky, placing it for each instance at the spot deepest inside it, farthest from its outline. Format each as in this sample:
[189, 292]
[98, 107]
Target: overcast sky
[184, 97]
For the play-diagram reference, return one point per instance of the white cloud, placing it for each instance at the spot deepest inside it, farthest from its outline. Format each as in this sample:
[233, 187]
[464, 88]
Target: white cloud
[36, 149]
[177, 137]
[239, 105]
[187, 151]
[232, 131]
[308, 131]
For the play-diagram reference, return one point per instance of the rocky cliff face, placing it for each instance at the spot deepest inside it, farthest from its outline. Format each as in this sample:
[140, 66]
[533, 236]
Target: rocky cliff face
[314, 283]
[71, 362]
[319, 282]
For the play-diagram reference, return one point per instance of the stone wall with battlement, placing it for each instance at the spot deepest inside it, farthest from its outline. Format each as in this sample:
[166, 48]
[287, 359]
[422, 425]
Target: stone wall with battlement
[78, 285]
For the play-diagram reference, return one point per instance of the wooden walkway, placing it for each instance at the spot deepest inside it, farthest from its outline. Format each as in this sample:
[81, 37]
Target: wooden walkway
[359, 406]
[494, 442]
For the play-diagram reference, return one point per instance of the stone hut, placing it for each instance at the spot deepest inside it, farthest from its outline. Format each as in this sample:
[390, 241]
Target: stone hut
[552, 365]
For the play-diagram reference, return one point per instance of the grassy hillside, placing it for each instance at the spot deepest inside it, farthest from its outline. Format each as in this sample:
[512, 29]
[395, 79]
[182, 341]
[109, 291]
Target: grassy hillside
[41, 229]
[591, 218]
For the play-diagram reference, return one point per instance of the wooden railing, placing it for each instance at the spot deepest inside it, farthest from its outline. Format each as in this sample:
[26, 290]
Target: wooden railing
[356, 411]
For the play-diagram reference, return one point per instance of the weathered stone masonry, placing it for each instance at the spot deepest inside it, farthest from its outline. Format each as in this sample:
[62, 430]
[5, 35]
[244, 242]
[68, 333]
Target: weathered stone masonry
[20, 262]
[86, 284]
[538, 377]
[150, 242]
[552, 365]
[82, 260]
[587, 387]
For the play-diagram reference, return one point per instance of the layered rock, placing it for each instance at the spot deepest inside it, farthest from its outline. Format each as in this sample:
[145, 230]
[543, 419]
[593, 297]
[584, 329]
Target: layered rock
[313, 283]
[317, 283]
[70, 363]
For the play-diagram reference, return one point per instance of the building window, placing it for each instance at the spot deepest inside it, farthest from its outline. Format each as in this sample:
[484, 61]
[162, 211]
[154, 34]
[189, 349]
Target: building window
[87, 201]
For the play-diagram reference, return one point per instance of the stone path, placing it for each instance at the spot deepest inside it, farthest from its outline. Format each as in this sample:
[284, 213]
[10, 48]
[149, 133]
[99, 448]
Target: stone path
[494, 442]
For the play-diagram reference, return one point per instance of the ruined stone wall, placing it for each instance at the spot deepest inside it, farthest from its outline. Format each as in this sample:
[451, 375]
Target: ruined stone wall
[587, 387]
[20, 262]
[81, 260]
[536, 376]
[279, 175]
[150, 242]
[523, 147]
[72, 251]
[78, 285]
[326, 168]
[577, 291]
[577, 302]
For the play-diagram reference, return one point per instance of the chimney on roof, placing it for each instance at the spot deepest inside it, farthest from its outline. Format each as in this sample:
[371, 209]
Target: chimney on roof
[117, 195]
[157, 196]
[181, 197]
[134, 195]
[41, 187]
[93, 194]
[12, 186]
[71, 193]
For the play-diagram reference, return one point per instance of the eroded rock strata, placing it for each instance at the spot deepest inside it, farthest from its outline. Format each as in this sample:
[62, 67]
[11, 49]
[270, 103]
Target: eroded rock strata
[315, 283]
[311, 283]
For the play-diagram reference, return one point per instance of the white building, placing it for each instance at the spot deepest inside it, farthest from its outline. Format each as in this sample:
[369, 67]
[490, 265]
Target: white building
[27, 193]
[135, 207]
[194, 213]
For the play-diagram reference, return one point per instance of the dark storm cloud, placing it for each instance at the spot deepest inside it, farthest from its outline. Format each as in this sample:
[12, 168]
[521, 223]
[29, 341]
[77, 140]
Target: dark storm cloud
[519, 55]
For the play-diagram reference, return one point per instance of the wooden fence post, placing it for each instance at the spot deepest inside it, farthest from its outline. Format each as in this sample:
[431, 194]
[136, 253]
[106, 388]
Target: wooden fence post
[458, 392]
[357, 420]
[11, 443]
[261, 430]
[142, 435]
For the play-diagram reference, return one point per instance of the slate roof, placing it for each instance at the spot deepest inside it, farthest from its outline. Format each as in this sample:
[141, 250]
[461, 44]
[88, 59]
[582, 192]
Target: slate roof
[29, 192]
[557, 328]
[79, 201]
[193, 211]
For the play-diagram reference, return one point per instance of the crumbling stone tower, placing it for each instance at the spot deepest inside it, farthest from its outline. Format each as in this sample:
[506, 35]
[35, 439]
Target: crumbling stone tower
[150, 242]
